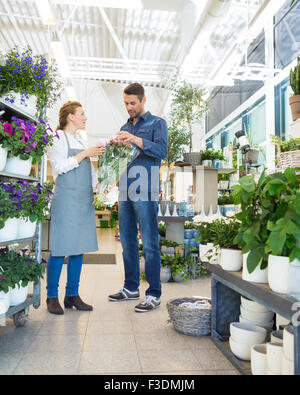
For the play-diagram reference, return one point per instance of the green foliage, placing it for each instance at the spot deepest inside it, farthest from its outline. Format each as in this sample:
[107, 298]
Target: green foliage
[225, 199]
[188, 106]
[177, 139]
[168, 243]
[270, 216]
[162, 229]
[223, 233]
[295, 78]
[19, 267]
[208, 154]
[223, 176]
[29, 74]
[292, 144]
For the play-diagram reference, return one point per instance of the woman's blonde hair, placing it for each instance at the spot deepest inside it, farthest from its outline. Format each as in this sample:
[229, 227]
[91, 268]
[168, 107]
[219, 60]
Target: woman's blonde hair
[68, 108]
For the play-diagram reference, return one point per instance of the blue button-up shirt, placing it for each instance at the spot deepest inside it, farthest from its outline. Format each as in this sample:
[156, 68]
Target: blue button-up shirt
[146, 167]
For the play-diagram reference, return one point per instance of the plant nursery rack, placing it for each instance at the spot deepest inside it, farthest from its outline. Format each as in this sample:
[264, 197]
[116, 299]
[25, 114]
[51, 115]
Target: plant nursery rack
[19, 313]
[227, 287]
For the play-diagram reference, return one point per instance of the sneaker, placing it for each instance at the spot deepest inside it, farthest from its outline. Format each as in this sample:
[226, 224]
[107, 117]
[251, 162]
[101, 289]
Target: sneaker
[150, 303]
[124, 294]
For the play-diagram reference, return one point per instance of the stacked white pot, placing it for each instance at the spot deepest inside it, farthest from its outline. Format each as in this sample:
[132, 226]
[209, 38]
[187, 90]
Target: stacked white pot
[287, 356]
[256, 314]
[243, 336]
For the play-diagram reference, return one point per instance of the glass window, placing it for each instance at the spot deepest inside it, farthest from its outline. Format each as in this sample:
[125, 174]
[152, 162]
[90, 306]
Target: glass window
[283, 116]
[287, 34]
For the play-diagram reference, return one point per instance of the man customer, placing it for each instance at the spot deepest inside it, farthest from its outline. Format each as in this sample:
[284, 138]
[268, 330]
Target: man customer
[138, 198]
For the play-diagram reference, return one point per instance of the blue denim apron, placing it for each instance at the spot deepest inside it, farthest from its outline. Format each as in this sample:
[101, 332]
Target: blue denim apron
[73, 225]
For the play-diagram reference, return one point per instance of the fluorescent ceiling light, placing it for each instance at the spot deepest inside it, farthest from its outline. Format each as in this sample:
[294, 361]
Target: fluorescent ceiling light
[128, 4]
[45, 12]
[60, 57]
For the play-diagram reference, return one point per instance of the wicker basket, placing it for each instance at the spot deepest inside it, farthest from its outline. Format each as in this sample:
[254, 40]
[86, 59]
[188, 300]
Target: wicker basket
[190, 321]
[288, 159]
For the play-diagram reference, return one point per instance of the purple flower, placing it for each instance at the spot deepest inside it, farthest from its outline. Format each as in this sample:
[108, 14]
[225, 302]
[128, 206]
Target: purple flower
[8, 128]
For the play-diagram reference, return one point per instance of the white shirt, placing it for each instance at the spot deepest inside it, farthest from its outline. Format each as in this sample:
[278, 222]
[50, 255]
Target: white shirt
[58, 155]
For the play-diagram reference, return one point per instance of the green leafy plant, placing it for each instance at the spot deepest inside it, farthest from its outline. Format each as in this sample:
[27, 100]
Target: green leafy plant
[162, 229]
[295, 78]
[20, 267]
[223, 233]
[29, 74]
[188, 106]
[225, 199]
[292, 144]
[180, 265]
[177, 140]
[7, 208]
[223, 176]
[208, 154]
[206, 232]
[168, 243]
[270, 217]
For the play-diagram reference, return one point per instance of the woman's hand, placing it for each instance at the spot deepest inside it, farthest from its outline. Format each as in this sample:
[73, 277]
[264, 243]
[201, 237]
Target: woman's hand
[89, 152]
[94, 151]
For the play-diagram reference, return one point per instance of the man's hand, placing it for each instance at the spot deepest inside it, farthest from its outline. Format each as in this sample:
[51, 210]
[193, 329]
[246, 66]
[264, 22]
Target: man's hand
[128, 138]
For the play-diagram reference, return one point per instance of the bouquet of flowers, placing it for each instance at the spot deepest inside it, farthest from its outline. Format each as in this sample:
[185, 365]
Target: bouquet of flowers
[112, 164]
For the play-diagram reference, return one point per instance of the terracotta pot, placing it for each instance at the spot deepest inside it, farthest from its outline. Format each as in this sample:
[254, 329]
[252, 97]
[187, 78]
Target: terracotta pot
[295, 106]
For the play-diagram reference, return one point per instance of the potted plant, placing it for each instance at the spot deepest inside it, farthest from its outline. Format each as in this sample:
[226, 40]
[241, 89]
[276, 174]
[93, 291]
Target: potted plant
[179, 268]
[26, 142]
[9, 215]
[295, 85]
[288, 152]
[223, 179]
[24, 75]
[253, 232]
[207, 157]
[270, 224]
[218, 159]
[224, 232]
[5, 284]
[165, 270]
[26, 202]
[226, 203]
[21, 269]
[188, 106]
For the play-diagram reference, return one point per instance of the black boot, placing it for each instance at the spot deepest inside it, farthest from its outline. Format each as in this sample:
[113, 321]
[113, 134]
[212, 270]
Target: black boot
[54, 307]
[75, 301]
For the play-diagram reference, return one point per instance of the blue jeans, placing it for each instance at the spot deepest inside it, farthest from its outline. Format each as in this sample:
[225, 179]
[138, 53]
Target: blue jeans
[54, 267]
[144, 214]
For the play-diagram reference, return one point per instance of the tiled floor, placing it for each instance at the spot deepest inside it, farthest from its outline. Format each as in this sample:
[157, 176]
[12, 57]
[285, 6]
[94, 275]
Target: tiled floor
[112, 339]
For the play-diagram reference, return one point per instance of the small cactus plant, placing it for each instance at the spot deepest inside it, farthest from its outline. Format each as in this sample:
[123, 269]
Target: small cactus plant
[295, 78]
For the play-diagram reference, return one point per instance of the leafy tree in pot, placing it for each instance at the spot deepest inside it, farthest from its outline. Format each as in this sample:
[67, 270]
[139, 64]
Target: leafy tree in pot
[188, 106]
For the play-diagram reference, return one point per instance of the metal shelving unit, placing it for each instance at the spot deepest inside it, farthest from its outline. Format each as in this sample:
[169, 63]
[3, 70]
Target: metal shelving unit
[20, 313]
[227, 287]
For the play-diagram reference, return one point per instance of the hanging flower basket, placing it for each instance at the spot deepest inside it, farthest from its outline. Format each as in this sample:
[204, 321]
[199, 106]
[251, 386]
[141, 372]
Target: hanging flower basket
[288, 159]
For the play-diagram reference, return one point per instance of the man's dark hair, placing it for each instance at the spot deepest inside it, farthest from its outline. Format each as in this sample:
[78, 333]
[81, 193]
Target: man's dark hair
[135, 89]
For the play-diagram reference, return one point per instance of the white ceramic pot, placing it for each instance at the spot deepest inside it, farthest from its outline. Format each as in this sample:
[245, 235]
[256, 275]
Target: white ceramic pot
[268, 325]
[253, 306]
[240, 350]
[3, 157]
[165, 274]
[4, 302]
[274, 351]
[29, 106]
[10, 230]
[258, 359]
[223, 184]
[207, 163]
[277, 337]
[287, 366]
[247, 333]
[18, 295]
[178, 277]
[259, 317]
[288, 343]
[17, 166]
[231, 260]
[257, 276]
[278, 273]
[26, 228]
